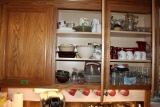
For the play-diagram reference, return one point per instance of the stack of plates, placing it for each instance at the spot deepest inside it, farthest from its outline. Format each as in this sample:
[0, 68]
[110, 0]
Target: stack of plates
[65, 29]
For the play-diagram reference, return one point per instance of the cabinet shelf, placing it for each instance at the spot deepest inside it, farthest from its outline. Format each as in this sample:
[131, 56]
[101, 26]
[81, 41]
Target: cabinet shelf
[131, 61]
[77, 59]
[130, 34]
[79, 34]
[138, 87]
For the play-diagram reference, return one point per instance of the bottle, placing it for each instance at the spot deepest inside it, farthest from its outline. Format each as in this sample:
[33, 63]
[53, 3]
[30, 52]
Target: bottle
[120, 78]
[114, 80]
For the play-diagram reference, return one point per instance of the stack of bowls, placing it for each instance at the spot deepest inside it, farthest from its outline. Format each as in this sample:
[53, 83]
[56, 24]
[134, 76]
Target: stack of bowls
[62, 76]
[66, 51]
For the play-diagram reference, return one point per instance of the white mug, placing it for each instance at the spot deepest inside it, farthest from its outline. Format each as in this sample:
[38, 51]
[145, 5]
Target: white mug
[143, 55]
[137, 55]
[62, 23]
[122, 55]
[130, 55]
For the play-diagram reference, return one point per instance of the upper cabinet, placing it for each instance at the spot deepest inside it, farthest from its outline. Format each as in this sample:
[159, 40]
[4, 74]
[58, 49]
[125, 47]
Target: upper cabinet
[27, 45]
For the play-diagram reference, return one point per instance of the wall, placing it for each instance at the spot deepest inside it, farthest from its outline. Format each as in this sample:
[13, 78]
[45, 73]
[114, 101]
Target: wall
[29, 95]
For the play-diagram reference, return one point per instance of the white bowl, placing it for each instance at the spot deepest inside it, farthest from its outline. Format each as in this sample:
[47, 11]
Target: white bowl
[66, 48]
[85, 51]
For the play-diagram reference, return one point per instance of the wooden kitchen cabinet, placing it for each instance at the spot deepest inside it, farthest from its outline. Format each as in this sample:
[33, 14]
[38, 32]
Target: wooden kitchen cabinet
[27, 45]
[28, 41]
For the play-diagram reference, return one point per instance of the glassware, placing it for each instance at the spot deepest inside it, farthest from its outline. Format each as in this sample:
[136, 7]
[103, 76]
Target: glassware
[149, 54]
[147, 75]
[131, 22]
[114, 79]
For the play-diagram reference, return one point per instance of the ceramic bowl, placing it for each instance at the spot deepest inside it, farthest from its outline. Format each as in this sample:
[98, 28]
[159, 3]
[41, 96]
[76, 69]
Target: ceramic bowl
[85, 51]
[62, 73]
[62, 79]
[66, 48]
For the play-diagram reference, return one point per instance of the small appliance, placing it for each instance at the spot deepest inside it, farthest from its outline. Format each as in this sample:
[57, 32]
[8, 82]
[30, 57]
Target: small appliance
[53, 102]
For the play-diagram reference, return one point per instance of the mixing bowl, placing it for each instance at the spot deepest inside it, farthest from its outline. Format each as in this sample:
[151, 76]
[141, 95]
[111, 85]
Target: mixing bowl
[85, 51]
[62, 76]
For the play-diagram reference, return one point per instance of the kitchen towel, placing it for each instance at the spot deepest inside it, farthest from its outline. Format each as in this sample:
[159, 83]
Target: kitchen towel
[17, 99]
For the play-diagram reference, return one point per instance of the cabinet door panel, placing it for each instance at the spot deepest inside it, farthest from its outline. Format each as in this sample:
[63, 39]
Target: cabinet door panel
[155, 35]
[1, 46]
[28, 45]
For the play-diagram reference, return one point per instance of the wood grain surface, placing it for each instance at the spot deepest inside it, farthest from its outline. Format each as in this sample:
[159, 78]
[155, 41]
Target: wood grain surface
[141, 6]
[27, 44]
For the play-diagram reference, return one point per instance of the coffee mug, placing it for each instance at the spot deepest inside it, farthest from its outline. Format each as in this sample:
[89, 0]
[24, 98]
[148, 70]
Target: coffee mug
[122, 55]
[137, 55]
[130, 55]
[143, 53]
[62, 23]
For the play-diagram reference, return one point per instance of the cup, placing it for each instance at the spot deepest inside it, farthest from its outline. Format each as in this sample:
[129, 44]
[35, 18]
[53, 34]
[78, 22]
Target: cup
[62, 23]
[122, 55]
[129, 55]
[143, 55]
[137, 55]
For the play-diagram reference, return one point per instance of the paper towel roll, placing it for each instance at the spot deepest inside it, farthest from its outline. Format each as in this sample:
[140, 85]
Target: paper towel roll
[17, 99]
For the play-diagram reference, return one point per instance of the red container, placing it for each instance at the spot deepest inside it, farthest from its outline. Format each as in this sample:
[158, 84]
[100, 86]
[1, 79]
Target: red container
[141, 45]
[66, 54]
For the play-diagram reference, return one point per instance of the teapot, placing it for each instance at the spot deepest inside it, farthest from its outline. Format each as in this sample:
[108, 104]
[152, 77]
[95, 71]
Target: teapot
[131, 22]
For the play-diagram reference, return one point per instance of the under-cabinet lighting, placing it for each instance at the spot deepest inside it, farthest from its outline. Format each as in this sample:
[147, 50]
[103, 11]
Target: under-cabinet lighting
[41, 90]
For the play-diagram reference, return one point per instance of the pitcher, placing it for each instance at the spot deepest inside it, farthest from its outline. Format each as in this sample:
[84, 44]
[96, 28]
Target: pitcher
[131, 22]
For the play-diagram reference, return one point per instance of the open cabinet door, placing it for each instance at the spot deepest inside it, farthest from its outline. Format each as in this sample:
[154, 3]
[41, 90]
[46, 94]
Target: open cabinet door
[155, 47]
[1, 41]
